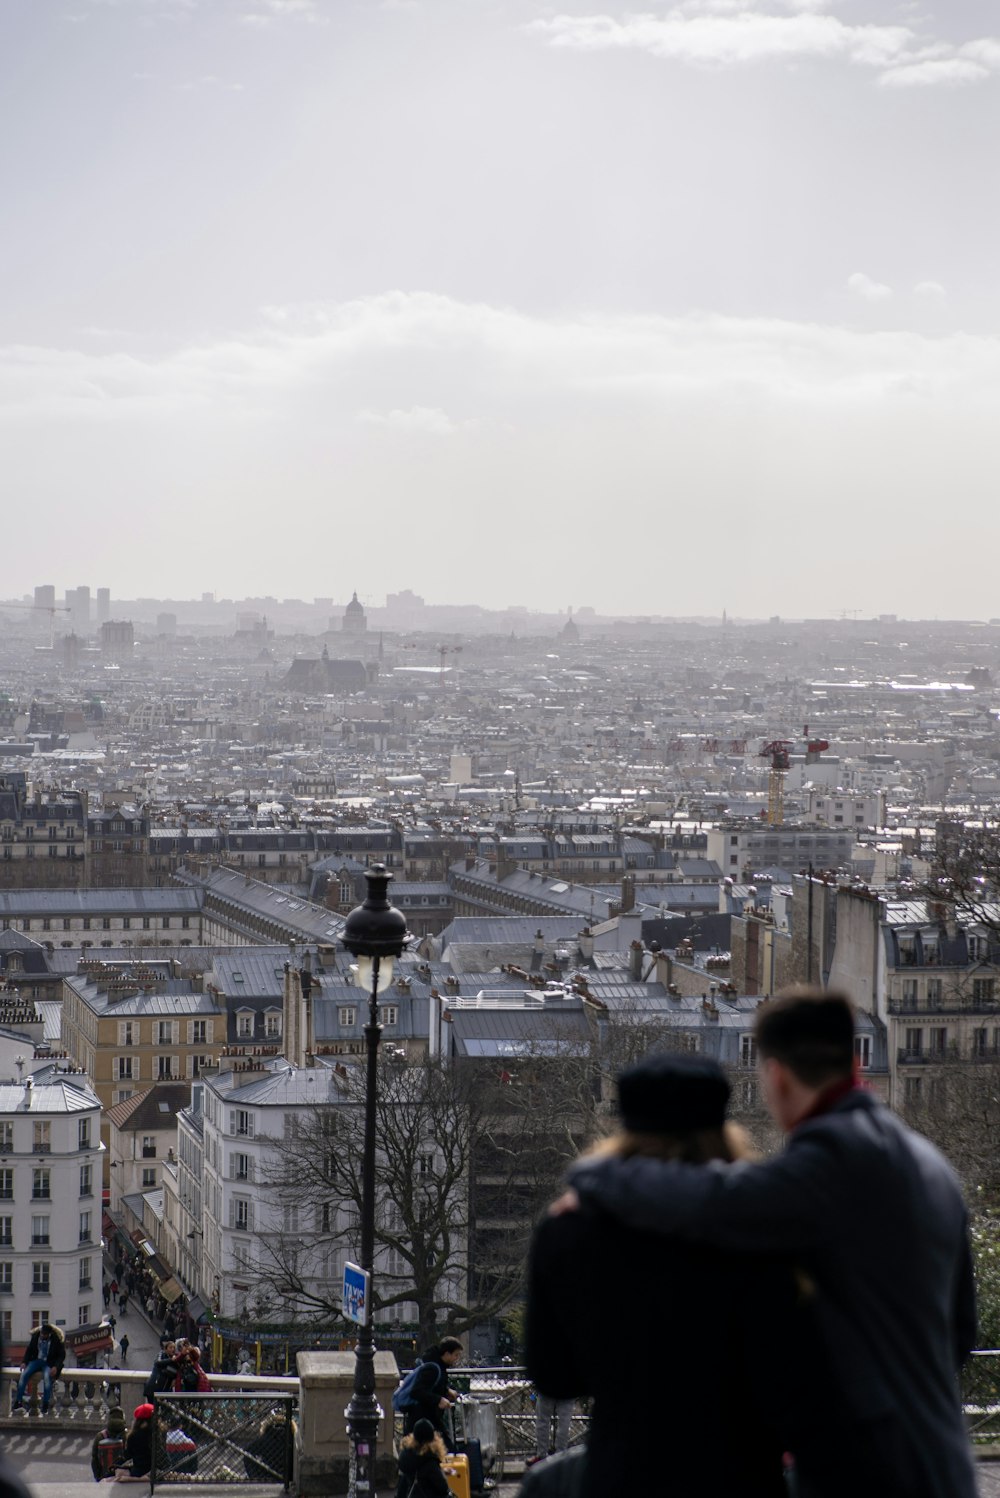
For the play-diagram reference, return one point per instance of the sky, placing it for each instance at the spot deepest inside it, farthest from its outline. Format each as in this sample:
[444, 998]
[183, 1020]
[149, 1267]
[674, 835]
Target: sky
[661, 309]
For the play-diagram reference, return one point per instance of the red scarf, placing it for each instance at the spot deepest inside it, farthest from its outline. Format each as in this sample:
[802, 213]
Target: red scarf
[830, 1096]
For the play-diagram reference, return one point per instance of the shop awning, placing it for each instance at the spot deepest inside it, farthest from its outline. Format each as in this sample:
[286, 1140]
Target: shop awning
[170, 1290]
[196, 1308]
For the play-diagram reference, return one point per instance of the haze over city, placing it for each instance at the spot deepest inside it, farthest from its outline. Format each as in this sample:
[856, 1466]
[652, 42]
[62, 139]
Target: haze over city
[664, 313]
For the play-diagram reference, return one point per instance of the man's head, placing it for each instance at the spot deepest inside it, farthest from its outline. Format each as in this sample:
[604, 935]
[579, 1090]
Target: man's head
[450, 1350]
[805, 1044]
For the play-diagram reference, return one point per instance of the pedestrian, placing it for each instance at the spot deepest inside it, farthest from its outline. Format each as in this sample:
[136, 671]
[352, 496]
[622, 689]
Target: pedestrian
[106, 1294]
[421, 1458]
[112, 1323]
[430, 1397]
[138, 1446]
[874, 1216]
[123, 1303]
[671, 1105]
[548, 1413]
[150, 1305]
[163, 1372]
[114, 1288]
[44, 1354]
[123, 1345]
[108, 1448]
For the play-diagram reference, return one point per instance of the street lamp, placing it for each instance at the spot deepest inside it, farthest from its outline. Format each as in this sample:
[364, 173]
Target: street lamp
[375, 934]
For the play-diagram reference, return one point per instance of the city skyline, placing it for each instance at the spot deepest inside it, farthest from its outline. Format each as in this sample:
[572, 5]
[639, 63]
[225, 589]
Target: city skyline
[663, 313]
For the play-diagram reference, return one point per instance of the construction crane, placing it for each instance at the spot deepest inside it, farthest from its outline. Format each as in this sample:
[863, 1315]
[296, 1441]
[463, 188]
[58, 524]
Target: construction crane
[52, 609]
[777, 752]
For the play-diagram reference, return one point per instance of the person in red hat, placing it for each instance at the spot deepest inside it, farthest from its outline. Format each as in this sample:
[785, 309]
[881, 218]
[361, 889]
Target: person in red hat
[138, 1447]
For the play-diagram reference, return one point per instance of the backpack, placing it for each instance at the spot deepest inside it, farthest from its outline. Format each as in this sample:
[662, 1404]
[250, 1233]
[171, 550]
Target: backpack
[189, 1378]
[403, 1397]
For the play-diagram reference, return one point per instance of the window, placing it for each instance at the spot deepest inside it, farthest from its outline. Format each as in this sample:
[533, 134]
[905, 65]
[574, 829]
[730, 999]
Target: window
[123, 1068]
[272, 1025]
[197, 1032]
[83, 1134]
[937, 1040]
[982, 990]
[425, 1165]
[909, 993]
[347, 1017]
[148, 1177]
[748, 1050]
[105, 923]
[934, 993]
[86, 923]
[84, 1227]
[85, 1274]
[244, 1024]
[83, 1312]
[242, 1168]
[186, 922]
[86, 1180]
[41, 1189]
[40, 1277]
[241, 1254]
[165, 923]
[912, 1090]
[914, 1042]
[241, 1122]
[41, 1137]
[166, 1068]
[389, 1014]
[38, 1317]
[6, 1278]
[863, 1050]
[149, 1146]
[6, 1185]
[241, 1214]
[6, 1136]
[6, 1232]
[166, 1033]
[125, 1032]
[40, 1232]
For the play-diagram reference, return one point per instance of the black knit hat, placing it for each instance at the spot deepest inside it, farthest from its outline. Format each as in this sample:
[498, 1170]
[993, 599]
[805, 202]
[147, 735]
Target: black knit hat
[670, 1093]
[423, 1432]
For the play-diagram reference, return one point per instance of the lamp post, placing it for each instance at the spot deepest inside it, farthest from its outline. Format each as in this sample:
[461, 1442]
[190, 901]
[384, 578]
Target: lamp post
[374, 933]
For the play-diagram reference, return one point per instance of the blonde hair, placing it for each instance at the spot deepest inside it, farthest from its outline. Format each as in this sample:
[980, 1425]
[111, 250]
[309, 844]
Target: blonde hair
[698, 1147]
[411, 1443]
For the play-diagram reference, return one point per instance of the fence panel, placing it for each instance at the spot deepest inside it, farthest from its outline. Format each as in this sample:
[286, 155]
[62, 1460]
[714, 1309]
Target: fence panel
[222, 1438]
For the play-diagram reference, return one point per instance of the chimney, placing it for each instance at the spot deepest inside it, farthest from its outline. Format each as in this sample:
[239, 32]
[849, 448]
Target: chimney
[628, 894]
[664, 969]
[539, 943]
[635, 952]
[585, 943]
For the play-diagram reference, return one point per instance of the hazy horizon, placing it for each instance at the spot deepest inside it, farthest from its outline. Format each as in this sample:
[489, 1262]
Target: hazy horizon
[662, 310]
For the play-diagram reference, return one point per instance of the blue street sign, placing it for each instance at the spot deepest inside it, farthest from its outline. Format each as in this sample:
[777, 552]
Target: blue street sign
[355, 1304]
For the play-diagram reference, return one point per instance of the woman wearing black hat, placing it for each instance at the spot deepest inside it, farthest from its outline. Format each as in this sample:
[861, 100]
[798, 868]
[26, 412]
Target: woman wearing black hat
[657, 1332]
[421, 1455]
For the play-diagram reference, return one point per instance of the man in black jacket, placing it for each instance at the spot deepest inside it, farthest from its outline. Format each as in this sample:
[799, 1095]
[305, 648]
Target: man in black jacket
[874, 1216]
[430, 1396]
[45, 1354]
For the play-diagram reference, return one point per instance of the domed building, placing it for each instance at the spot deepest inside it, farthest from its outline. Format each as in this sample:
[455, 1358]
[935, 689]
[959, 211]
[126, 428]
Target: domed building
[355, 622]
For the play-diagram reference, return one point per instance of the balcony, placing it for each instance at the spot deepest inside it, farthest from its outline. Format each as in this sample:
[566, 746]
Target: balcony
[927, 1055]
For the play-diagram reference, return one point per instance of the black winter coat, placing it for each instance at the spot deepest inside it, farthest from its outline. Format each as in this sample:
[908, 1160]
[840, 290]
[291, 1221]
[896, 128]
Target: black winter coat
[874, 1214]
[656, 1333]
[428, 1390]
[425, 1470]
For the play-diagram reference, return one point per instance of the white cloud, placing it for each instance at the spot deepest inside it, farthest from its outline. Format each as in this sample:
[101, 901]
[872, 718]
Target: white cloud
[427, 420]
[868, 290]
[934, 73]
[729, 40]
[732, 33]
[931, 291]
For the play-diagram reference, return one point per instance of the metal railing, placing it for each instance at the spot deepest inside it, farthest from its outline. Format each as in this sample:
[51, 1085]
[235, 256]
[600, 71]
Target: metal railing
[82, 1396]
[497, 1408]
[223, 1438]
[981, 1396]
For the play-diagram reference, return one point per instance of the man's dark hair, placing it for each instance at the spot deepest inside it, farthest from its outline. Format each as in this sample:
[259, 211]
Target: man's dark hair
[449, 1344]
[811, 1031]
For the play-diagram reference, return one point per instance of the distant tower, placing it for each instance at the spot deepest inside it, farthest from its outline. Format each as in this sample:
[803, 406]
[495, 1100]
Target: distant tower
[45, 596]
[355, 622]
[103, 605]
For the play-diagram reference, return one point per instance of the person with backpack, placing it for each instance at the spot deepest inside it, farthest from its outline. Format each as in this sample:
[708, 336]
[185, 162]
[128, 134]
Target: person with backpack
[191, 1377]
[421, 1455]
[108, 1449]
[424, 1393]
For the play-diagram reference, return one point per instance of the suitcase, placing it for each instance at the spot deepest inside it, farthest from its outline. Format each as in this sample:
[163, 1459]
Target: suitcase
[456, 1470]
[474, 1451]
